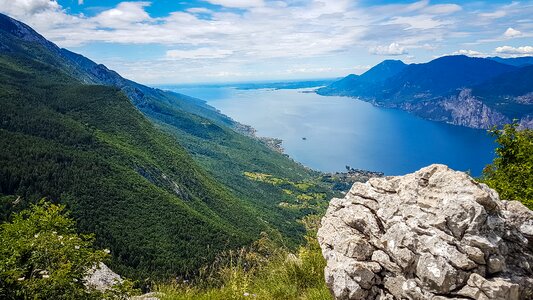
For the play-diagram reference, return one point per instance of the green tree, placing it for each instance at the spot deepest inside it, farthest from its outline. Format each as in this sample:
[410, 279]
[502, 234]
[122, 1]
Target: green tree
[511, 173]
[42, 256]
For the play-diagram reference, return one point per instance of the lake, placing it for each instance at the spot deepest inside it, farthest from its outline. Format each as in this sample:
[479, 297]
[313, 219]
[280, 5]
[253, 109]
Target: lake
[328, 133]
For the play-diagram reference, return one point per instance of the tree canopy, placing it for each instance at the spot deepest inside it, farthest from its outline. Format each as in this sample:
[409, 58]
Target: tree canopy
[511, 173]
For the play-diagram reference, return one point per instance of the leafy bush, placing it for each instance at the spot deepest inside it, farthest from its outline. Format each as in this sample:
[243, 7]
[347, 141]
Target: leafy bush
[42, 257]
[511, 173]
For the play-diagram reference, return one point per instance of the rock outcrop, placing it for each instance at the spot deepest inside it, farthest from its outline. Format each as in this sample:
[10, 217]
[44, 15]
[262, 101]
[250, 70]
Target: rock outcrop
[102, 278]
[434, 234]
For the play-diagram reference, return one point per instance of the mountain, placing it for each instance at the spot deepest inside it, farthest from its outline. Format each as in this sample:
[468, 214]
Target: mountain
[461, 90]
[514, 61]
[510, 93]
[383, 71]
[367, 82]
[157, 176]
[89, 72]
[439, 77]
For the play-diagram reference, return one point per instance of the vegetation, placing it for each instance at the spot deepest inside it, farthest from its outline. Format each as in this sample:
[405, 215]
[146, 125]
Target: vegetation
[42, 257]
[227, 155]
[160, 212]
[136, 188]
[308, 194]
[511, 173]
[264, 271]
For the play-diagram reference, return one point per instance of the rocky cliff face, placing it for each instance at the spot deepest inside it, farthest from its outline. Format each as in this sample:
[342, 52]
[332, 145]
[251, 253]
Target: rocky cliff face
[433, 234]
[462, 109]
[467, 110]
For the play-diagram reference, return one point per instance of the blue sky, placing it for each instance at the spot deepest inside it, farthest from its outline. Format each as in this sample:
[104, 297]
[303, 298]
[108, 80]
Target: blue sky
[173, 41]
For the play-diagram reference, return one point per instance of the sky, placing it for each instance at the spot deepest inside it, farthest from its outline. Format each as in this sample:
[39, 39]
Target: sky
[204, 41]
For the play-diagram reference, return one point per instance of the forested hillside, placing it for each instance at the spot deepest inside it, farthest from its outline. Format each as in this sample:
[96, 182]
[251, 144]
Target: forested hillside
[144, 196]
[133, 186]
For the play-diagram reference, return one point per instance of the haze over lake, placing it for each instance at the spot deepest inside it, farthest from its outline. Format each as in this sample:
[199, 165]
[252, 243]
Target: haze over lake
[328, 133]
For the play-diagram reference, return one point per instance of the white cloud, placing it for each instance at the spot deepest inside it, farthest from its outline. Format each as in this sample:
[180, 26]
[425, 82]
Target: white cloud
[200, 53]
[392, 49]
[237, 3]
[199, 10]
[20, 8]
[442, 9]
[471, 53]
[494, 15]
[418, 22]
[124, 15]
[515, 51]
[511, 33]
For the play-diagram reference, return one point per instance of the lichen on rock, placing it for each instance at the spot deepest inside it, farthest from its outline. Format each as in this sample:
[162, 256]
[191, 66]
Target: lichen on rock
[433, 234]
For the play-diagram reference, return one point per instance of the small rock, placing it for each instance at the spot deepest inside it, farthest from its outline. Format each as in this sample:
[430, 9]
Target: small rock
[101, 278]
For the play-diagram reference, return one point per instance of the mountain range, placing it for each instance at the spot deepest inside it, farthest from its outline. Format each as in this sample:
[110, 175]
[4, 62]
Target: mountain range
[461, 90]
[159, 177]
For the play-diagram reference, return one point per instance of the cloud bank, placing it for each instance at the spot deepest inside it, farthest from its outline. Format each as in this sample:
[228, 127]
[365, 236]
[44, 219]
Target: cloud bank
[241, 36]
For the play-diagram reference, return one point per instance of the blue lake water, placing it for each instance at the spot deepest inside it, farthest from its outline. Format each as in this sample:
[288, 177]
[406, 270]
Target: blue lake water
[340, 131]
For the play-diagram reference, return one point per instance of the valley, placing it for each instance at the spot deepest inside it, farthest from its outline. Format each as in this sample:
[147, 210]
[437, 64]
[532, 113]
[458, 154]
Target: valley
[340, 131]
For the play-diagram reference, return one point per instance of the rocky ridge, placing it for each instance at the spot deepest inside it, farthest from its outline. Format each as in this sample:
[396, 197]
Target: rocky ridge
[434, 234]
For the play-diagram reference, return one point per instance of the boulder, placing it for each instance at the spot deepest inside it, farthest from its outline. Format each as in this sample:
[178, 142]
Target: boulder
[433, 234]
[102, 278]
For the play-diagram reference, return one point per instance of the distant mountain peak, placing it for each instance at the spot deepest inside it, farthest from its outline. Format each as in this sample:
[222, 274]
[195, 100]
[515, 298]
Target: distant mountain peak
[383, 70]
[392, 62]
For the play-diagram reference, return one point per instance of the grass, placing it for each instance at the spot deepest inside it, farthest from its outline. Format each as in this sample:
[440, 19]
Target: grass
[310, 193]
[264, 271]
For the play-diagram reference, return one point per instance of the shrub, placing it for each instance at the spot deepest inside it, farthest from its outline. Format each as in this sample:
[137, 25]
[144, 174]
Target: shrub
[42, 257]
[511, 173]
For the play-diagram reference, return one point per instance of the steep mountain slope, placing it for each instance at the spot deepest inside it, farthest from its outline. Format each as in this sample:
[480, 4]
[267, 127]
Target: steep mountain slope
[142, 194]
[136, 188]
[511, 94]
[13, 32]
[197, 126]
[383, 71]
[461, 90]
[509, 87]
[367, 83]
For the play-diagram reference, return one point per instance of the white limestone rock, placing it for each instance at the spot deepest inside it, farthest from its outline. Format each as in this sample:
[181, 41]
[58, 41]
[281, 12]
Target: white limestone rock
[433, 234]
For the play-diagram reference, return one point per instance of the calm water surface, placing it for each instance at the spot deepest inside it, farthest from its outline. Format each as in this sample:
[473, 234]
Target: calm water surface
[341, 131]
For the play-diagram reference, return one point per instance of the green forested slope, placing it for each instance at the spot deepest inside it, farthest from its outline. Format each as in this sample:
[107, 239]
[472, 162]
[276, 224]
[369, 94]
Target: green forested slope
[227, 155]
[164, 203]
[124, 180]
